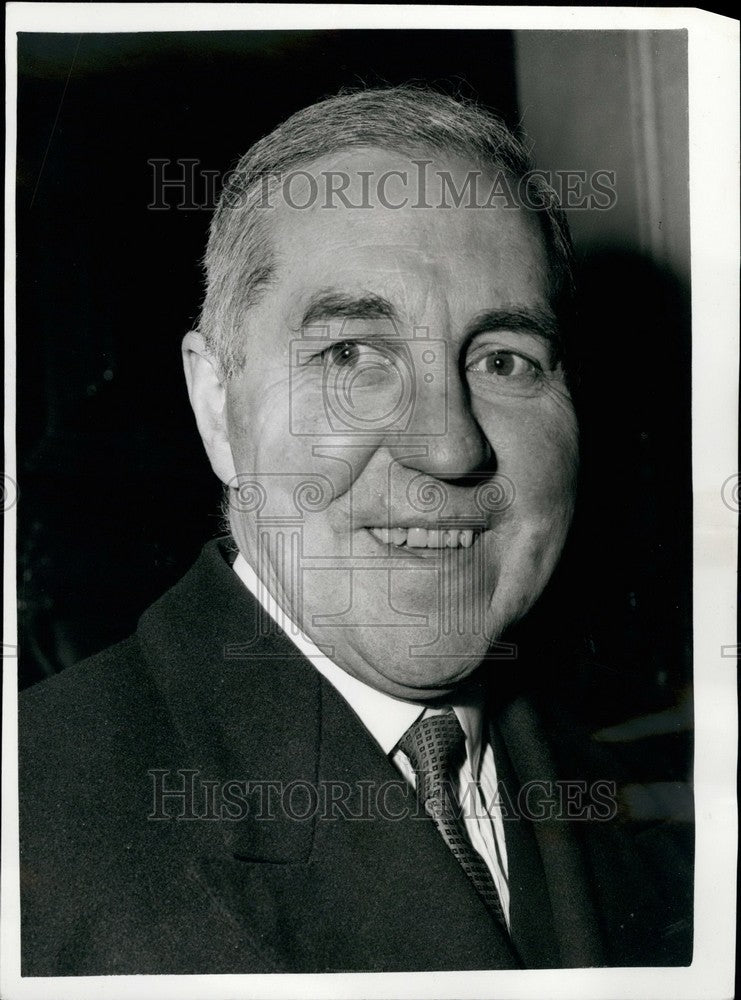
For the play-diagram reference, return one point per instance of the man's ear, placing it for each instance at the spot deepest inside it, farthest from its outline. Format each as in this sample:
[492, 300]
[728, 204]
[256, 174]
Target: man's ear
[207, 392]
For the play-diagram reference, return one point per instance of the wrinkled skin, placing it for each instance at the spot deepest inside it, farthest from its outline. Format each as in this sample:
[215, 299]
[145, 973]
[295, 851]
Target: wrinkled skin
[392, 438]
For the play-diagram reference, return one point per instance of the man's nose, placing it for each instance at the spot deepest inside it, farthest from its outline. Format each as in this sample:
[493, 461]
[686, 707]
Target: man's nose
[447, 440]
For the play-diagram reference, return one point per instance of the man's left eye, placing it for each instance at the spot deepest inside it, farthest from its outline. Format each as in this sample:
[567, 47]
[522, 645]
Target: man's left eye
[505, 364]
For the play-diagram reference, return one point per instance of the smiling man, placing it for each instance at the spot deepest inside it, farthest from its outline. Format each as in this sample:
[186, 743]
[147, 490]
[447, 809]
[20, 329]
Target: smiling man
[395, 349]
[308, 758]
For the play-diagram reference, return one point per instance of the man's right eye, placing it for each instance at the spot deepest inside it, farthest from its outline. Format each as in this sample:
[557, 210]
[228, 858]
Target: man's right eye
[354, 365]
[356, 355]
[343, 355]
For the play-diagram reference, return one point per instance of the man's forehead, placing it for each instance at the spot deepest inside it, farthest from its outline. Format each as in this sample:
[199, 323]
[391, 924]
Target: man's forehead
[407, 285]
[367, 189]
[420, 259]
[405, 279]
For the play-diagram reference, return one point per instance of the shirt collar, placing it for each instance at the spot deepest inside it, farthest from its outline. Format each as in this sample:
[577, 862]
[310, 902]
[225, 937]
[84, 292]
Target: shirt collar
[386, 718]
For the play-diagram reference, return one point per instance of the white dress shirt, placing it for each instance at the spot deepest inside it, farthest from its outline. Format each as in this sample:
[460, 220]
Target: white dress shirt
[387, 719]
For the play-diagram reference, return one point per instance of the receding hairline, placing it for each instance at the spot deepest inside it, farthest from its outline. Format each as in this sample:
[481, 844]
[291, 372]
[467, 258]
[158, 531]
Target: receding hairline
[424, 158]
[411, 121]
[437, 158]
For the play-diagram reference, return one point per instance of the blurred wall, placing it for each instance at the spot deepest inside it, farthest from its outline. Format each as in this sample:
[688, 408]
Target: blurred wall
[617, 101]
[614, 100]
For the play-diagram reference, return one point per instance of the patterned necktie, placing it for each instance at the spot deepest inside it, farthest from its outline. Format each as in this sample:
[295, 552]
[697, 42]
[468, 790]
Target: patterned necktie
[435, 747]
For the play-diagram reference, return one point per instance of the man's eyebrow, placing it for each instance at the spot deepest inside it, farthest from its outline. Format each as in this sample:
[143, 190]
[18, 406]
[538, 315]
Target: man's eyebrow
[539, 322]
[331, 304]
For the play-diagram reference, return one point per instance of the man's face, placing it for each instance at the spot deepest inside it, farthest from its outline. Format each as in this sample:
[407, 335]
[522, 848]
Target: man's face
[403, 425]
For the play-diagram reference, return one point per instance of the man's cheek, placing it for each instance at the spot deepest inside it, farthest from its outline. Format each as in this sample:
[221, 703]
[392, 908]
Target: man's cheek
[305, 411]
[527, 563]
[545, 472]
[543, 502]
[255, 418]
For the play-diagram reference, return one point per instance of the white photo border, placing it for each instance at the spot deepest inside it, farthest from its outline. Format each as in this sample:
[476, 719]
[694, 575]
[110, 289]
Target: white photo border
[714, 155]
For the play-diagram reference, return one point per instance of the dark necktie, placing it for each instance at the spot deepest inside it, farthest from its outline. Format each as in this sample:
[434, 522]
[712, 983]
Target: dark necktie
[435, 747]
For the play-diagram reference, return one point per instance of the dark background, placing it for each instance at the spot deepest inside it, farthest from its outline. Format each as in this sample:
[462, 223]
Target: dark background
[116, 496]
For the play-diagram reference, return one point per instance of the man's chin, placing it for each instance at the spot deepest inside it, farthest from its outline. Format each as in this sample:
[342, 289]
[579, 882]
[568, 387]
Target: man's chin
[407, 688]
[415, 670]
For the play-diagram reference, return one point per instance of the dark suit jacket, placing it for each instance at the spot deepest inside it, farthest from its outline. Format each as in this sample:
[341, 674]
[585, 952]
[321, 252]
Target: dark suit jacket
[108, 889]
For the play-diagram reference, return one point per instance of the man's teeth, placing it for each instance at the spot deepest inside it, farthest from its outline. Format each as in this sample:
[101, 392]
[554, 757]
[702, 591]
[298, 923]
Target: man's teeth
[424, 538]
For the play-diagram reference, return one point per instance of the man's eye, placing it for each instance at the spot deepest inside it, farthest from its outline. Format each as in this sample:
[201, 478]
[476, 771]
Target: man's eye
[353, 354]
[506, 364]
[351, 365]
[345, 354]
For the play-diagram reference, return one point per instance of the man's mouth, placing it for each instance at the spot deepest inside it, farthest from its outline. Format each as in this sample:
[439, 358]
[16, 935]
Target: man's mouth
[425, 538]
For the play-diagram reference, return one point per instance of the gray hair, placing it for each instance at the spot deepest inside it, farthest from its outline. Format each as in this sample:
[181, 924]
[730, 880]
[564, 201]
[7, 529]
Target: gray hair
[408, 120]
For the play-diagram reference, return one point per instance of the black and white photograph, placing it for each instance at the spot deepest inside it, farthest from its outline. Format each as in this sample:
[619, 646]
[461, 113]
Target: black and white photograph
[370, 502]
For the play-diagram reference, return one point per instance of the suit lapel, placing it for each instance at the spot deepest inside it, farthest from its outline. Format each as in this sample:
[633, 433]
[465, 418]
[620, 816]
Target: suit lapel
[377, 893]
[242, 698]
[358, 884]
[558, 868]
[531, 916]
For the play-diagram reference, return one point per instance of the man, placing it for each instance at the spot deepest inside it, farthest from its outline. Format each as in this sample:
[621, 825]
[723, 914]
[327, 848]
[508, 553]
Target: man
[313, 755]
